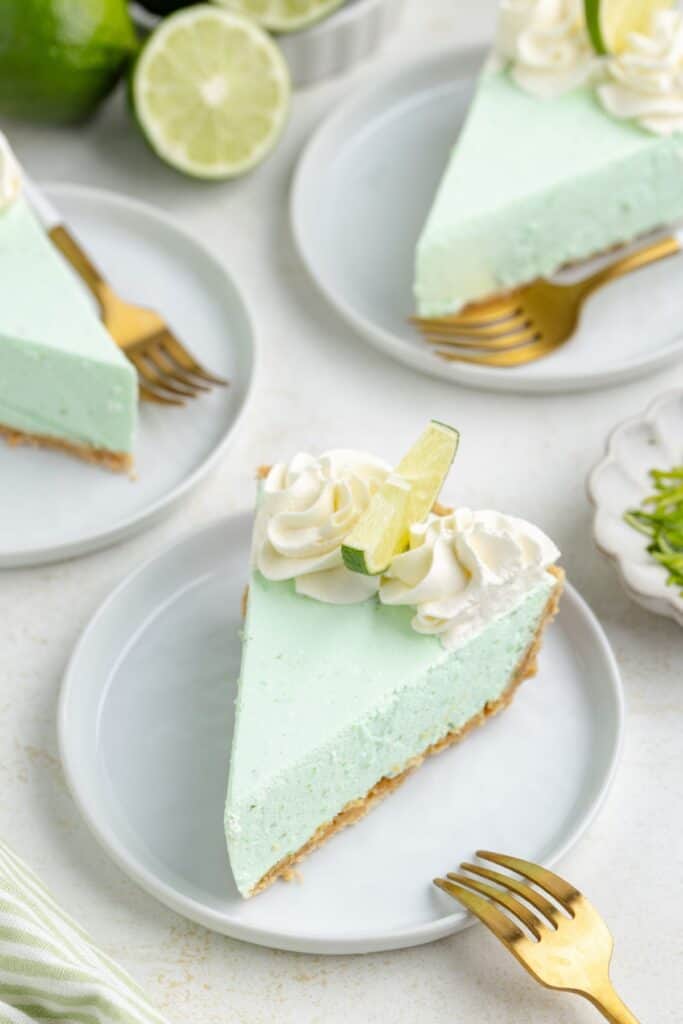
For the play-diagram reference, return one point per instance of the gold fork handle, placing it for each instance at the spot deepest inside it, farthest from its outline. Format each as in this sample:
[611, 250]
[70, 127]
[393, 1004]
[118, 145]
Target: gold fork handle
[610, 1005]
[634, 261]
[80, 261]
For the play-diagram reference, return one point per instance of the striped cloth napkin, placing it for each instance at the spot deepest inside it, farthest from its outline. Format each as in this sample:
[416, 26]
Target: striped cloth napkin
[50, 971]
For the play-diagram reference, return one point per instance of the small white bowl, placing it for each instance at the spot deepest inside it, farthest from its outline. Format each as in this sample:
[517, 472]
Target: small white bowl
[620, 482]
[339, 42]
[331, 46]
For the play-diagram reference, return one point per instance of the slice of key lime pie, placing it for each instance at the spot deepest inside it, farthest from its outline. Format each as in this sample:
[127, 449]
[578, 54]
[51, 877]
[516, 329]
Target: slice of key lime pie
[376, 632]
[63, 381]
[573, 144]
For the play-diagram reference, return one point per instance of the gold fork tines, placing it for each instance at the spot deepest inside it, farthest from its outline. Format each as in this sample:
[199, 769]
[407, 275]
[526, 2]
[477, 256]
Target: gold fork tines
[168, 373]
[547, 924]
[517, 355]
[530, 322]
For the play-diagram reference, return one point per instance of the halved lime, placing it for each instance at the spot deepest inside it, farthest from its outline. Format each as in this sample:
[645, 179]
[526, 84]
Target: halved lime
[210, 91]
[610, 22]
[282, 15]
[405, 498]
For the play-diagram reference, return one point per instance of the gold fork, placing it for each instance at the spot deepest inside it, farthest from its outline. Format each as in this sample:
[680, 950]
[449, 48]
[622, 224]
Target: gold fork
[564, 943]
[530, 322]
[168, 373]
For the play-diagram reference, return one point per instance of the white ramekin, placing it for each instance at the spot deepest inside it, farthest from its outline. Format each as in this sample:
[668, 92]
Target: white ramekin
[341, 41]
[332, 46]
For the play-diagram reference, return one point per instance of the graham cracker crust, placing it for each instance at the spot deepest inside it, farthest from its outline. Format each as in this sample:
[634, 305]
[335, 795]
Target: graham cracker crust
[356, 809]
[118, 462]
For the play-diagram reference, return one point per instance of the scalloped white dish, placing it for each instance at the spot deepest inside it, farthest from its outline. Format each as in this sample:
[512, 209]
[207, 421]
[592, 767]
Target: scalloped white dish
[621, 481]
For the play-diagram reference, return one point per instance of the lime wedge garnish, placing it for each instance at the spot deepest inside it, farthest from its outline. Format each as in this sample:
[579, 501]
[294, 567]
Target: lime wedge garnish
[405, 498]
[381, 531]
[610, 22]
[426, 466]
[211, 92]
[283, 15]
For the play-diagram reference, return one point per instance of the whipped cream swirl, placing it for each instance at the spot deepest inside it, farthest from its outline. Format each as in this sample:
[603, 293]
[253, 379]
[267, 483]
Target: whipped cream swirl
[547, 45]
[307, 507]
[646, 80]
[466, 569]
[10, 177]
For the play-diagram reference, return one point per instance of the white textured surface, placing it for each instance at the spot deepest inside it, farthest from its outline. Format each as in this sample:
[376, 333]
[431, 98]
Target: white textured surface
[527, 455]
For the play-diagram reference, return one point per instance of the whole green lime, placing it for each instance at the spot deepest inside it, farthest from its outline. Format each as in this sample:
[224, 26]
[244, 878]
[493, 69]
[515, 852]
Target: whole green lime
[60, 58]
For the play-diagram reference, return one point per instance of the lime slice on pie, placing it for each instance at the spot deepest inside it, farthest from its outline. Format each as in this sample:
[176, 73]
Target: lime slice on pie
[405, 498]
[283, 15]
[381, 531]
[210, 91]
[610, 22]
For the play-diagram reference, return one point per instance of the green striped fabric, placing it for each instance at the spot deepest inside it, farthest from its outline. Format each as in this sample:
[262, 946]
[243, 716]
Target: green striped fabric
[50, 971]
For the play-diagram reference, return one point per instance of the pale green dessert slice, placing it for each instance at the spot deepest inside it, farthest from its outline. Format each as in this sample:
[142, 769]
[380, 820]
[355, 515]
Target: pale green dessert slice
[63, 381]
[335, 702]
[534, 184]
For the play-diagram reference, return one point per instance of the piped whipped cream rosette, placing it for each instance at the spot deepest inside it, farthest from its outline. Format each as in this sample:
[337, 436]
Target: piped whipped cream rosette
[546, 44]
[466, 569]
[646, 80]
[307, 507]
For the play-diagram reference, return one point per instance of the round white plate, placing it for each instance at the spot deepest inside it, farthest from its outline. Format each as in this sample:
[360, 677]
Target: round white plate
[621, 481]
[361, 193]
[153, 262]
[145, 724]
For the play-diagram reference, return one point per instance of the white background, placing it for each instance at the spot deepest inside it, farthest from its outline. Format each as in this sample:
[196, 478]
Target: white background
[319, 386]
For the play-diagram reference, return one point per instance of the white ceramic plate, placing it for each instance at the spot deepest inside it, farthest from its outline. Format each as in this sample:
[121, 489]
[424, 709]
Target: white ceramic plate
[361, 193]
[653, 440]
[145, 723]
[152, 262]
